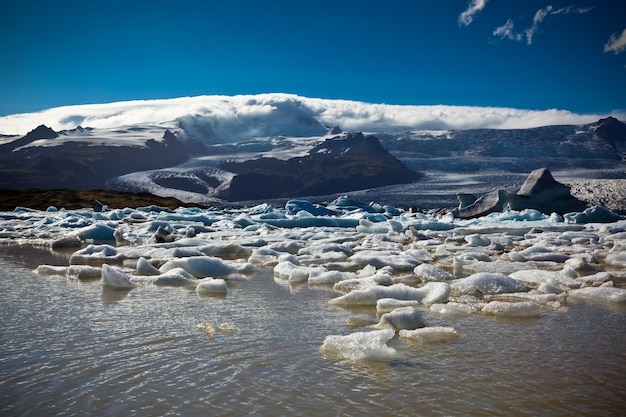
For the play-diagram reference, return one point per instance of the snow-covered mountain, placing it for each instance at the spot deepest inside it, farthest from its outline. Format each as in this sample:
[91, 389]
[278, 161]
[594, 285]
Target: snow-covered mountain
[178, 147]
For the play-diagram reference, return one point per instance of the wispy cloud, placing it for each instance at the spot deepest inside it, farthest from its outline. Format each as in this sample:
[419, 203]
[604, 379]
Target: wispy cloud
[507, 31]
[616, 43]
[474, 7]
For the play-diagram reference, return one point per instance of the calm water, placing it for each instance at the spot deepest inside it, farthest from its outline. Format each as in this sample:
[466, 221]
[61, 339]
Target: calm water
[68, 348]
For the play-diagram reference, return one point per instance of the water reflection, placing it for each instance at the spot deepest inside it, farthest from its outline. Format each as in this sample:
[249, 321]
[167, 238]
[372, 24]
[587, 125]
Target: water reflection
[112, 295]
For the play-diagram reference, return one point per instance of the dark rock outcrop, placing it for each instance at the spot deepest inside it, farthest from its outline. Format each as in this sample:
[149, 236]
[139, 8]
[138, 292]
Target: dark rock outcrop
[352, 162]
[540, 192]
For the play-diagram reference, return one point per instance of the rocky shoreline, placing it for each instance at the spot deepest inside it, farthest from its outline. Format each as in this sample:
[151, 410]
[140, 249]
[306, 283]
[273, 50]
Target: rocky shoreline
[607, 193]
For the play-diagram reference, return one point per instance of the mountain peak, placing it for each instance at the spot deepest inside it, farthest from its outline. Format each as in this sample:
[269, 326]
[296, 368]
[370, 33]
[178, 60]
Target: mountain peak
[611, 130]
[41, 132]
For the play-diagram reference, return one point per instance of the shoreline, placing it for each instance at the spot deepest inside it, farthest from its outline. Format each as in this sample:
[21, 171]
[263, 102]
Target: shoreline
[607, 193]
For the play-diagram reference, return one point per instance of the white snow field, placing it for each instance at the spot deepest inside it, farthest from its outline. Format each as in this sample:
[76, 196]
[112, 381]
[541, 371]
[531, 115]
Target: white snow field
[506, 266]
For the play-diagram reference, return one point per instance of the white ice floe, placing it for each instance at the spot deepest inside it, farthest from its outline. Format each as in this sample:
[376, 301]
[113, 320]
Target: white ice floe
[538, 276]
[200, 266]
[600, 295]
[487, 283]
[96, 255]
[352, 284]
[433, 292]
[146, 268]
[211, 286]
[369, 345]
[398, 260]
[175, 277]
[517, 309]
[408, 318]
[434, 334]
[116, 278]
[385, 305]
[428, 273]
[452, 309]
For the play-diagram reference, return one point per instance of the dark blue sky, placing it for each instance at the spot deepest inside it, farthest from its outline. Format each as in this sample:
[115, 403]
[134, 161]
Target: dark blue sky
[398, 52]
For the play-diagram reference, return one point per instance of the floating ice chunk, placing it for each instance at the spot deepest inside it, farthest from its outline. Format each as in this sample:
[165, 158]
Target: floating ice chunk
[146, 268]
[330, 277]
[506, 309]
[51, 270]
[452, 309]
[264, 256]
[83, 272]
[540, 276]
[595, 280]
[487, 283]
[200, 266]
[97, 231]
[430, 334]
[366, 226]
[292, 272]
[503, 267]
[289, 246]
[370, 345]
[477, 240]
[212, 286]
[600, 295]
[617, 256]
[385, 305]
[115, 277]
[594, 214]
[95, 255]
[352, 284]
[541, 253]
[70, 241]
[407, 318]
[549, 288]
[430, 293]
[287, 257]
[435, 292]
[296, 206]
[542, 299]
[176, 277]
[226, 250]
[428, 273]
[398, 260]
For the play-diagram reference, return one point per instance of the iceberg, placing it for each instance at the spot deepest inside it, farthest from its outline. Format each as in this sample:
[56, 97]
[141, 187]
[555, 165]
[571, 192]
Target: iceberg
[487, 283]
[430, 334]
[200, 266]
[370, 345]
[506, 309]
[407, 318]
[115, 278]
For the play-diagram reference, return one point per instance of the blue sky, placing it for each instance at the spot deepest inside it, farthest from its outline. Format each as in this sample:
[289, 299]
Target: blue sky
[524, 54]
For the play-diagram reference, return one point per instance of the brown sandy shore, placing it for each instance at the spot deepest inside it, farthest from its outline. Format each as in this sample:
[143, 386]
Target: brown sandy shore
[79, 199]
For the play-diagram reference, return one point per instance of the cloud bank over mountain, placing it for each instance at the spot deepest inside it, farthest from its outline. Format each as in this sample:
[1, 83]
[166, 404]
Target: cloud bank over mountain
[232, 118]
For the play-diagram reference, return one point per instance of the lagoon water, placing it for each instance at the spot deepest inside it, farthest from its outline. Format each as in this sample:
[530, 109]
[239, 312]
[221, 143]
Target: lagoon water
[73, 348]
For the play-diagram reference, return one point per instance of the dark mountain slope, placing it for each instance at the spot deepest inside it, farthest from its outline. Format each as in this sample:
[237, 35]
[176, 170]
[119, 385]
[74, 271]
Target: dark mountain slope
[353, 162]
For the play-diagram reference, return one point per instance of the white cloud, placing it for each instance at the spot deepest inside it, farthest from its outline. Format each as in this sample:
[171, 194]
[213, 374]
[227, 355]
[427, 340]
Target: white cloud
[507, 31]
[616, 43]
[474, 7]
[234, 118]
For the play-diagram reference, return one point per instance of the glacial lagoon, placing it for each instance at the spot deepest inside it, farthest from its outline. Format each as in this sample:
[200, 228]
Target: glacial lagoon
[75, 347]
